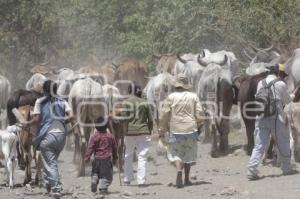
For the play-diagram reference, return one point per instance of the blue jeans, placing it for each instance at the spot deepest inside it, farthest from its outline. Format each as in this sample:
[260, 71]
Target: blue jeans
[265, 127]
[51, 146]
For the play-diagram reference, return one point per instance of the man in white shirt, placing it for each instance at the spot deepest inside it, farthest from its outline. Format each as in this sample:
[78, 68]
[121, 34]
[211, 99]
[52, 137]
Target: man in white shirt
[52, 113]
[274, 125]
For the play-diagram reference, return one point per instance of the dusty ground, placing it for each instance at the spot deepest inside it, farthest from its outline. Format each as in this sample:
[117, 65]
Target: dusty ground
[222, 177]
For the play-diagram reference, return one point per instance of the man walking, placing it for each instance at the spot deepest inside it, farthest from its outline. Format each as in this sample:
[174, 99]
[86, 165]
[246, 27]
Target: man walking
[139, 126]
[273, 124]
[50, 112]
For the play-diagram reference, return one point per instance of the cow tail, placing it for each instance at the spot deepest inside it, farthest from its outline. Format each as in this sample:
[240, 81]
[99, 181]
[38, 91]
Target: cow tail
[111, 96]
[218, 97]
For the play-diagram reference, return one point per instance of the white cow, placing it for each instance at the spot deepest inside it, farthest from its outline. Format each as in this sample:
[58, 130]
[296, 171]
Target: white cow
[157, 89]
[36, 82]
[263, 59]
[216, 95]
[292, 111]
[189, 65]
[293, 69]
[5, 91]
[87, 101]
[192, 65]
[8, 147]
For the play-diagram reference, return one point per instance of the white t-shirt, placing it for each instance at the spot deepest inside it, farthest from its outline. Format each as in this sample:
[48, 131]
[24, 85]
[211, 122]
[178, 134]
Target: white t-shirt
[281, 94]
[56, 125]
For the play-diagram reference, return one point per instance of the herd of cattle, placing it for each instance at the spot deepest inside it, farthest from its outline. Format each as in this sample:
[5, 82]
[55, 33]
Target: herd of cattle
[96, 91]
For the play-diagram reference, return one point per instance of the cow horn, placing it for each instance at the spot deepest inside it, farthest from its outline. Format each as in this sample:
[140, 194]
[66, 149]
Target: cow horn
[180, 59]
[157, 56]
[269, 49]
[147, 77]
[44, 63]
[201, 61]
[247, 55]
[236, 78]
[264, 50]
[115, 65]
[224, 61]
[202, 54]
[55, 71]
[253, 60]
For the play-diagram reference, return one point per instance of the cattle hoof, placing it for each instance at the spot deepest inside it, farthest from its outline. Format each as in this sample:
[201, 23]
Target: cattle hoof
[27, 182]
[80, 174]
[214, 154]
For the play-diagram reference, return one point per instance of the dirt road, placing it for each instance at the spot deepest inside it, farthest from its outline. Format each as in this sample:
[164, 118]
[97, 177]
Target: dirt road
[222, 177]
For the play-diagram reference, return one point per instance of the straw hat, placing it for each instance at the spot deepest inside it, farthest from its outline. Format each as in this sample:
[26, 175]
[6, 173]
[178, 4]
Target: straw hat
[282, 68]
[182, 82]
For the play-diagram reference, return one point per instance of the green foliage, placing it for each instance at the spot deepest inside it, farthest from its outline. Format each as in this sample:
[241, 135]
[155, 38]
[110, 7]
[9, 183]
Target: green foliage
[66, 32]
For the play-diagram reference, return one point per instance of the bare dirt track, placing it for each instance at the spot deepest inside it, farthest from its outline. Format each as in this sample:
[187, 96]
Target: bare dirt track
[219, 178]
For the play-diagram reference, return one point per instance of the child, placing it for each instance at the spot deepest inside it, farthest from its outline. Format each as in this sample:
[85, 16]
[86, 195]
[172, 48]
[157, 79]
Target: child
[103, 145]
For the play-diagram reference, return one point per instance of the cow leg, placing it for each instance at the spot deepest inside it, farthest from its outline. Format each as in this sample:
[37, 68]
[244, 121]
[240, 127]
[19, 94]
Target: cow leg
[68, 146]
[214, 149]
[250, 127]
[77, 148]
[294, 141]
[224, 131]
[77, 144]
[39, 164]
[81, 168]
[6, 165]
[28, 159]
[11, 164]
[20, 156]
[83, 145]
[207, 134]
[9, 173]
[121, 153]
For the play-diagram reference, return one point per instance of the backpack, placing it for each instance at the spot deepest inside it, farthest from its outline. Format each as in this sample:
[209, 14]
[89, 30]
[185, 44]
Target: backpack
[265, 99]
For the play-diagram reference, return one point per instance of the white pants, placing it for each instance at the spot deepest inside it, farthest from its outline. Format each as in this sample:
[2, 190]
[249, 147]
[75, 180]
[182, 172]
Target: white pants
[142, 145]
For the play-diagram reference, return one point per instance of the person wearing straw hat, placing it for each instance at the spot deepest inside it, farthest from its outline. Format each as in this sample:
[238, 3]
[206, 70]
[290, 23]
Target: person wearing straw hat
[275, 125]
[180, 118]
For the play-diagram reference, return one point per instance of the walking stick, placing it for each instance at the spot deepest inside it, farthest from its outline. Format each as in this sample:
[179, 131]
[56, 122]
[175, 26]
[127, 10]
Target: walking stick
[119, 170]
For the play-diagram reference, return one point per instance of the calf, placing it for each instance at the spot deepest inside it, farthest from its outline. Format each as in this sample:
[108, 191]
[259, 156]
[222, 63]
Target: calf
[25, 147]
[8, 151]
[293, 121]
[292, 111]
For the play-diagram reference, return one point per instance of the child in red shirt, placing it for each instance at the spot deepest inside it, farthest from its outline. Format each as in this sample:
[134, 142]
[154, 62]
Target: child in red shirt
[103, 145]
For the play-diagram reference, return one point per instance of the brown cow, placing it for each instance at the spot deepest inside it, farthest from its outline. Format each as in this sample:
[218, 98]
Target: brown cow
[26, 149]
[131, 70]
[116, 126]
[17, 99]
[106, 71]
[247, 90]
[42, 69]
[166, 63]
